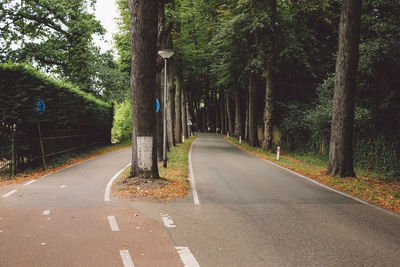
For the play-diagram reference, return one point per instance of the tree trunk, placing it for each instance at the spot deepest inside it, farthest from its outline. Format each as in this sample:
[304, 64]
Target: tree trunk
[170, 107]
[252, 110]
[231, 116]
[246, 125]
[183, 111]
[239, 113]
[143, 35]
[217, 115]
[269, 86]
[188, 116]
[161, 43]
[159, 126]
[178, 109]
[341, 147]
[268, 109]
[222, 110]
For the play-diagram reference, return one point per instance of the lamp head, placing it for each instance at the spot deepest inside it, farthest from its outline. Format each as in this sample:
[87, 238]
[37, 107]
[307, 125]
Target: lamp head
[166, 53]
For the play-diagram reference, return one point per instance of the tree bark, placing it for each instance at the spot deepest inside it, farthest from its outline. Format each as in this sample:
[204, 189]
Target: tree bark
[170, 107]
[268, 109]
[253, 85]
[161, 43]
[143, 36]
[269, 86]
[178, 109]
[239, 130]
[222, 111]
[183, 111]
[341, 147]
[231, 116]
[159, 126]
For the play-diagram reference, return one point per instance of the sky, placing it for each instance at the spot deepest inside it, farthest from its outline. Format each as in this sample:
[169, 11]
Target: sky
[106, 11]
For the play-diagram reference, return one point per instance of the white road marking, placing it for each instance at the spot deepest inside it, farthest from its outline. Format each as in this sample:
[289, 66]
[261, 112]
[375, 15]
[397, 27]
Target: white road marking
[9, 193]
[108, 187]
[191, 178]
[126, 258]
[30, 182]
[187, 257]
[113, 224]
[63, 186]
[168, 222]
[46, 212]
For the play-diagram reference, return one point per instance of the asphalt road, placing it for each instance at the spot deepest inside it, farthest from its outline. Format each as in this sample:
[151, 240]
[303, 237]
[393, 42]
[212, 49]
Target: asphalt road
[63, 220]
[252, 213]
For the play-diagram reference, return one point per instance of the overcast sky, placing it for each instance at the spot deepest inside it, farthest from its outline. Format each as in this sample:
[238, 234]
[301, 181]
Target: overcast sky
[106, 12]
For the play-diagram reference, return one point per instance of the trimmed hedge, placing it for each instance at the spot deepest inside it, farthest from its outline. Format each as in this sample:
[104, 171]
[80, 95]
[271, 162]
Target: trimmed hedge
[68, 110]
[65, 104]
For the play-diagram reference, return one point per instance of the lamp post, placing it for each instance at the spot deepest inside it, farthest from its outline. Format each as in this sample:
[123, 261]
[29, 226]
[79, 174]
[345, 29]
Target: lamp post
[165, 54]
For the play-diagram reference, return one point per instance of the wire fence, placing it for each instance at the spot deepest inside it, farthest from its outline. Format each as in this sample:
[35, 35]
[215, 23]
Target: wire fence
[7, 149]
[19, 150]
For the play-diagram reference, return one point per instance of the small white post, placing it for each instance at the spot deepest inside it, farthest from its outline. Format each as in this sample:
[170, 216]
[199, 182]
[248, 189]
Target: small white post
[183, 139]
[278, 151]
[227, 134]
[240, 139]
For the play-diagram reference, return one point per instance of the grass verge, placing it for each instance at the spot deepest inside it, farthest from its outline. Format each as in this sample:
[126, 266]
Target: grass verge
[368, 185]
[61, 162]
[174, 183]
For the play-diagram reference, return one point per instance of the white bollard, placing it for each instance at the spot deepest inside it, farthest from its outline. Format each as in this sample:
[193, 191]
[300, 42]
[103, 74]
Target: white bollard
[183, 139]
[278, 151]
[227, 134]
[240, 139]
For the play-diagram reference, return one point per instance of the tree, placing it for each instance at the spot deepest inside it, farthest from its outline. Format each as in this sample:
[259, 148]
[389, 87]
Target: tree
[55, 35]
[341, 146]
[143, 35]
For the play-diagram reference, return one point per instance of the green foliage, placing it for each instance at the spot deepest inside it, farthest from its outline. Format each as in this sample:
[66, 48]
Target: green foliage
[66, 105]
[55, 35]
[122, 128]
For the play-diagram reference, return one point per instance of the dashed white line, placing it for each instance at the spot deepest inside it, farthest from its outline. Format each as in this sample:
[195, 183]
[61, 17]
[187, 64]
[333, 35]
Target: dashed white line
[191, 178]
[63, 186]
[126, 258]
[168, 222]
[30, 182]
[113, 224]
[9, 193]
[108, 187]
[187, 257]
[46, 212]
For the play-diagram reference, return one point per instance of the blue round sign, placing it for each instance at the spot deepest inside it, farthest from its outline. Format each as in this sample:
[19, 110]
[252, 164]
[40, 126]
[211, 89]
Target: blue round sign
[38, 107]
[157, 105]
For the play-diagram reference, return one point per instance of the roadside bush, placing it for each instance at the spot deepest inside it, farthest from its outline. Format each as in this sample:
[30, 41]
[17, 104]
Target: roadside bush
[122, 128]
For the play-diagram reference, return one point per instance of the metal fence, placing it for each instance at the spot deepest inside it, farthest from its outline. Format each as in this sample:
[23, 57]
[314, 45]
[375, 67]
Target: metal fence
[7, 149]
[31, 145]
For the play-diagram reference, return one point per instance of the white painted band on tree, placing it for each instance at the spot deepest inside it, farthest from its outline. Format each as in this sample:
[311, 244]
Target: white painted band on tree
[145, 152]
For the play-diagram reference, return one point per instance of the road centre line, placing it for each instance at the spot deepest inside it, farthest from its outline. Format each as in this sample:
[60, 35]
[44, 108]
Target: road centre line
[113, 224]
[126, 258]
[108, 187]
[168, 222]
[191, 177]
[187, 257]
[9, 193]
[63, 186]
[46, 212]
[30, 182]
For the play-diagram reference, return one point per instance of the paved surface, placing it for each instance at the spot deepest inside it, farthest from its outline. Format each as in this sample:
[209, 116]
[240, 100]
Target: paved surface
[252, 213]
[63, 220]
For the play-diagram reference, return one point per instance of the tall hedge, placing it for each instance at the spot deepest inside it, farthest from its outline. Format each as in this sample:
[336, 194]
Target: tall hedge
[66, 105]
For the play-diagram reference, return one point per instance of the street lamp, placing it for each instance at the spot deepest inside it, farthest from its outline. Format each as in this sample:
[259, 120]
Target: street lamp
[165, 54]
